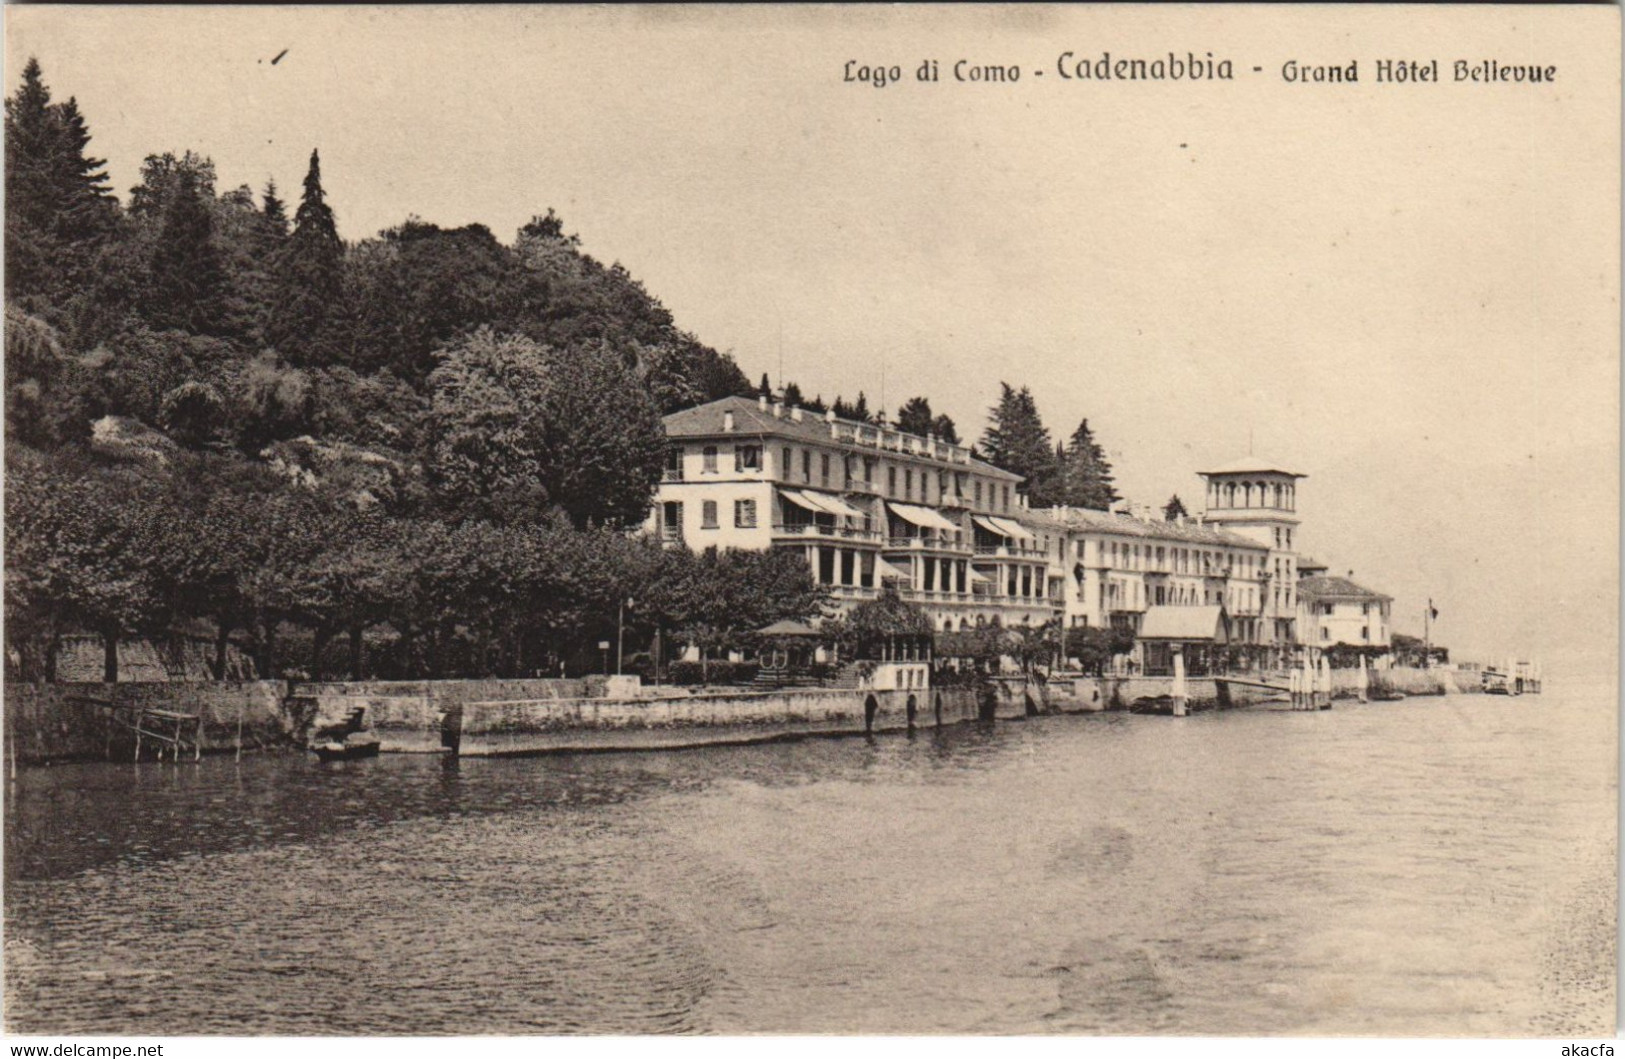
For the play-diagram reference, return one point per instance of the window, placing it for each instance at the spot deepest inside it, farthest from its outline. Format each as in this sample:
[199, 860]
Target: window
[674, 463]
[1007, 498]
[708, 515]
[891, 481]
[748, 458]
[784, 463]
[823, 468]
[978, 491]
[806, 465]
[908, 484]
[745, 514]
[710, 454]
[1325, 634]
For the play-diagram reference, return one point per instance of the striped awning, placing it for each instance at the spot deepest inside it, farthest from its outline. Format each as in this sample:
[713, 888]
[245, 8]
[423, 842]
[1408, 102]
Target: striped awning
[838, 506]
[923, 517]
[1013, 530]
[887, 572]
[828, 505]
[1003, 527]
[807, 501]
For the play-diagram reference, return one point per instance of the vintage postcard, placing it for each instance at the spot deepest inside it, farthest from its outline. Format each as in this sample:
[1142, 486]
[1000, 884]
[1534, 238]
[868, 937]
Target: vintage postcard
[803, 520]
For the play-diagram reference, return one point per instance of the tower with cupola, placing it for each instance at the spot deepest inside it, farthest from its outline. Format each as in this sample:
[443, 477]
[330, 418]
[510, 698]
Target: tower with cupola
[1259, 499]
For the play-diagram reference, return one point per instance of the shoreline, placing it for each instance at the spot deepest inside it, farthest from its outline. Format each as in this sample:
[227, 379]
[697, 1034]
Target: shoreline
[504, 718]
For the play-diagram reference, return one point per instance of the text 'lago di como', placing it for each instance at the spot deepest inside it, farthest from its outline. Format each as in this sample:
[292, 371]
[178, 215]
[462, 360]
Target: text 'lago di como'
[1090, 67]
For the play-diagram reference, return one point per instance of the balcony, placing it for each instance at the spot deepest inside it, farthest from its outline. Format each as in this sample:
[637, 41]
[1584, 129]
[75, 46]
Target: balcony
[672, 474]
[1010, 551]
[926, 544]
[818, 531]
[934, 595]
[862, 488]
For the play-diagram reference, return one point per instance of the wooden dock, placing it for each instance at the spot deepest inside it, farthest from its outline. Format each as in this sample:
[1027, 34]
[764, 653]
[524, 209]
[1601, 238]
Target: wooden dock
[164, 730]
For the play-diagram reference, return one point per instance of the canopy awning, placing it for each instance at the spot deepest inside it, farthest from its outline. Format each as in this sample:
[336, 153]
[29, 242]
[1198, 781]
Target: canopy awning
[923, 517]
[1014, 530]
[828, 505]
[989, 525]
[809, 501]
[839, 506]
[886, 571]
[1187, 624]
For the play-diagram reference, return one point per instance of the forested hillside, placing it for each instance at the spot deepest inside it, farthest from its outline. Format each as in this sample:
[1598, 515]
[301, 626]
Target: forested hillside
[412, 454]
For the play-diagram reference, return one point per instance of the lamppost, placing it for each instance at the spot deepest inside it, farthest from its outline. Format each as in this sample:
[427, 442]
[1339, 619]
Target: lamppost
[620, 631]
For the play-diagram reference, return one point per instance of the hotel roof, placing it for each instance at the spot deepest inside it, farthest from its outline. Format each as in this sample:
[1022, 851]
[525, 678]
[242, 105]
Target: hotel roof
[1090, 520]
[705, 421]
[1252, 465]
[1330, 588]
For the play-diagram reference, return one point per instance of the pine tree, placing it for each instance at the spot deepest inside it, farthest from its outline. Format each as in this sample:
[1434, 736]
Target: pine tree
[766, 389]
[792, 396]
[1174, 509]
[273, 212]
[85, 195]
[1085, 474]
[310, 275]
[857, 411]
[186, 279]
[59, 211]
[944, 428]
[1017, 440]
[915, 417]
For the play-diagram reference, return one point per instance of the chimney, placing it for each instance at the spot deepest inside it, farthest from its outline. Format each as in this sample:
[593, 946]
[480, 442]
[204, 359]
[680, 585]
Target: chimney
[728, 422]
[778, 409]
[795, 413]
[829, 416]
[761, 401]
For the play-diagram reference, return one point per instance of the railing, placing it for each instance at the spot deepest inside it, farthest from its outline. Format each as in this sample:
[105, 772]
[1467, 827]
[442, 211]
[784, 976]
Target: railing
[671, 474]
[925, 544]
[814, 529]
[1008, 551]
[857, 485]
[671, 536]
[936, 595]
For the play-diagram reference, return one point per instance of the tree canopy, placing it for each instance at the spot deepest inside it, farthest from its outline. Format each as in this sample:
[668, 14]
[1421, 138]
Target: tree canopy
[427, 444]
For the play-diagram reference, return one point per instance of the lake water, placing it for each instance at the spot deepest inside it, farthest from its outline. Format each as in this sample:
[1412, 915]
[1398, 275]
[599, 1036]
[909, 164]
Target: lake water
[1438, 865]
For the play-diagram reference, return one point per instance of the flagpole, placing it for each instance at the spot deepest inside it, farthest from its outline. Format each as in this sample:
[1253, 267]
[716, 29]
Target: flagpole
[1427, 633]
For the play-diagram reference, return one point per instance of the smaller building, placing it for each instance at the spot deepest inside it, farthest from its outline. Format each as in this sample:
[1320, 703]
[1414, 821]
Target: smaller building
[1334, 610]
[1200, 633]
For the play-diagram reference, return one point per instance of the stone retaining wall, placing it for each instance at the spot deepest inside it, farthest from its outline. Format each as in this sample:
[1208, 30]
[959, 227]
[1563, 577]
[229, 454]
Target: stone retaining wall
[51, 722]
[537, 726]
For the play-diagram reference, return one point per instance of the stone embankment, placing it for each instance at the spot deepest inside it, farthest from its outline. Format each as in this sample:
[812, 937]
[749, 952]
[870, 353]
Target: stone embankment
[47, 722]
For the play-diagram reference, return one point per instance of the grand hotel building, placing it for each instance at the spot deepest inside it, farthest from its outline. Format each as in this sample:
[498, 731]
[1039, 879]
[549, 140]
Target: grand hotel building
[868, 505]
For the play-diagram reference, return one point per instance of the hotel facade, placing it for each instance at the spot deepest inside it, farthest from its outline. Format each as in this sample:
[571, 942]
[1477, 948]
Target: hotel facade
[868, 506]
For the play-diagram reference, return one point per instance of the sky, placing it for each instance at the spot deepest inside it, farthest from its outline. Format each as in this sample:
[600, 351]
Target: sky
[1408, 293]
